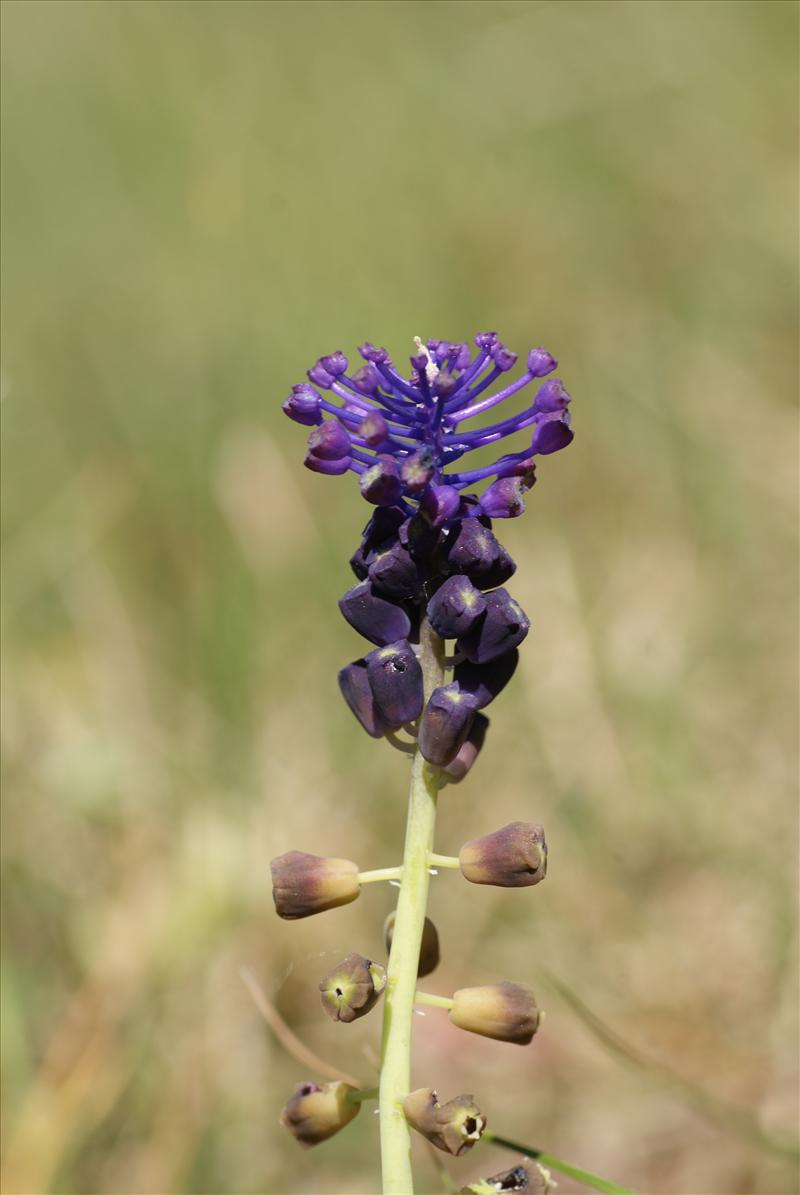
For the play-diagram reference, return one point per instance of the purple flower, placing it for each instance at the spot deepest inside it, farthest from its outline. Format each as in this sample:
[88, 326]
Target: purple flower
[421, 423]
[428, 551]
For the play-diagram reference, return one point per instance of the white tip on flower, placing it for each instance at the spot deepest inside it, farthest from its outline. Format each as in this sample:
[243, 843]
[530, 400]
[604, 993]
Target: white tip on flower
[431, 369]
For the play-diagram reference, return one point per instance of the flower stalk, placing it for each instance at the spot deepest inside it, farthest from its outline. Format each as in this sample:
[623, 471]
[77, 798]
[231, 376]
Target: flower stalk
[398, 1009]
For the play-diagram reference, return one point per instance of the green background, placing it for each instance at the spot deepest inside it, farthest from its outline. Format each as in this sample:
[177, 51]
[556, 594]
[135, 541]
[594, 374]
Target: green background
[200, 198]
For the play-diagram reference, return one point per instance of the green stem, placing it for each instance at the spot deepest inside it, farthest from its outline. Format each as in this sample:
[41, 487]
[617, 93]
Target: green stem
[358, 1097]
[582, 1176]
[401, 983]
[451, 861]
[380, 873]
[434, 1001]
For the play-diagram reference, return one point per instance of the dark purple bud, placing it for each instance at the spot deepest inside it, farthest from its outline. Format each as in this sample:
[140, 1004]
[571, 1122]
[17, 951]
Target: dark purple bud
[485, 681]
[334, 363]
[395, 678]
[503, 499]
[370, 353]
[380, 484]
[355, 688]
[469, 751]
[444, 384]
[373, 617]
[417, 470]
[504, 1011]
[526, 1178]
[302, 406]
[485, 340]
[551, 436]
[429, 950]
[420, 538]
[440, 504]
[352, 988]
[395, 573]
[453, 1127]
[419, 363]
[320, 376]
[503, 358]
[304, 884]
[474, 551]
[374, 429]
[454, 607]
[313, 1114]
[382, 526]
[366, 379]
[551, 396]
[541, 363]
[514, 857]
[379, 532]
[331, 468]
[445, 724]
[501, 627]
[329, 442]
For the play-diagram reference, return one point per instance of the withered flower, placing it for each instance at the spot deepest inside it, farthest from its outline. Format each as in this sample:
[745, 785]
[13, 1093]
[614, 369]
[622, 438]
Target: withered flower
[453, 1127]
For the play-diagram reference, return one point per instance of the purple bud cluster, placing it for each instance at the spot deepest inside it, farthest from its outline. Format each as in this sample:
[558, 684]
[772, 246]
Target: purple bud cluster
[429, 549]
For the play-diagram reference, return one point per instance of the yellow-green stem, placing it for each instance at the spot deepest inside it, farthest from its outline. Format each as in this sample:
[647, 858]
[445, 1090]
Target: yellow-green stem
[433, 1001]
[398, 1009]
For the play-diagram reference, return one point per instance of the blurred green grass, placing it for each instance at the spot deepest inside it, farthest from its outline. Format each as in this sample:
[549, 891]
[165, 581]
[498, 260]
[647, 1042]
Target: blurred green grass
[199, 199]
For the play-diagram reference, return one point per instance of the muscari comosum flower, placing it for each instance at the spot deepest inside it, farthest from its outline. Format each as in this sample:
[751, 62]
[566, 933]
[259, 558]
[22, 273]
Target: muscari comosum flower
[429, 571]
[429, 549]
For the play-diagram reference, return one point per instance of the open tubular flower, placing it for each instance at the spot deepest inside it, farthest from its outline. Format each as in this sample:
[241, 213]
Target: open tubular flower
[453, 1127]
[352, 987]
[526, 1178]
[429, 550]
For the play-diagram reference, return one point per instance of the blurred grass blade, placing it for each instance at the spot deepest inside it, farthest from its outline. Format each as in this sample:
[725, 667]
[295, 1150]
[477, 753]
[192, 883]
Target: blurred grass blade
[727, 1116]
[582, 1176]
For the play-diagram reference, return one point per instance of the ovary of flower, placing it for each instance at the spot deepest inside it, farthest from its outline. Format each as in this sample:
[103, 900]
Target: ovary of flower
[431, 369]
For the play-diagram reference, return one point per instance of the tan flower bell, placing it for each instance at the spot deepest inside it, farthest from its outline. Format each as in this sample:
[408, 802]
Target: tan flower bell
[313, 1114]
[304, 884]
[429, 950]
[505, 1011]
[514, 857]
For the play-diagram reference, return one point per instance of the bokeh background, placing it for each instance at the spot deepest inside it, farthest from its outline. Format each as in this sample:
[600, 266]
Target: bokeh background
[199, 199]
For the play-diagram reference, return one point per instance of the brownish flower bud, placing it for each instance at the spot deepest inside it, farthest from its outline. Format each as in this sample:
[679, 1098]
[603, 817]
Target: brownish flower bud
[528, 1177]
[429, 951]
[314, 1114]
[453, 1127]
[514, 857]
[469, 750]
[352, 988]
[304, 884]
[505, 1011]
